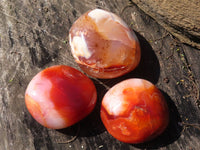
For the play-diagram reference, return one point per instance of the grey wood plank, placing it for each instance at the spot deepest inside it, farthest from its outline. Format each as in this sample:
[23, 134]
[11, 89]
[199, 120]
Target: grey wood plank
[33, 36]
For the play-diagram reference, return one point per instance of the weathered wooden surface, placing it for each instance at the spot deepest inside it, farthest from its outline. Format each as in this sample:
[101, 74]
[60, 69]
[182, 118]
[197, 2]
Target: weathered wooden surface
[33, 37]
[179, 17]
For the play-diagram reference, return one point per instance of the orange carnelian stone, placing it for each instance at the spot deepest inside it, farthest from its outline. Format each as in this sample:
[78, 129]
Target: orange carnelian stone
[60, 96]
[103, 45]
[134, 111]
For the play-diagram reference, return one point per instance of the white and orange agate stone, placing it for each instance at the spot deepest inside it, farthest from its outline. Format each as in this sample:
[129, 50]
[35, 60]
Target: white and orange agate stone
[134, 111]
[103, 45]
[56, 97]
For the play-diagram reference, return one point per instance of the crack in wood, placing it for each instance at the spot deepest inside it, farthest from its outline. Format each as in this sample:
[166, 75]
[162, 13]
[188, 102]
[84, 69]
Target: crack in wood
[10, 37]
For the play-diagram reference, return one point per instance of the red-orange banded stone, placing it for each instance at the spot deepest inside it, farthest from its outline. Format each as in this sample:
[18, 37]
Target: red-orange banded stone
[60, 96]
[134, 111]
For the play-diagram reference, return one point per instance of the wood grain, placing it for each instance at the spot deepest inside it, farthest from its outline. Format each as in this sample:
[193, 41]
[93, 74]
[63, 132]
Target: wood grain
[180, 18]
[33, 36]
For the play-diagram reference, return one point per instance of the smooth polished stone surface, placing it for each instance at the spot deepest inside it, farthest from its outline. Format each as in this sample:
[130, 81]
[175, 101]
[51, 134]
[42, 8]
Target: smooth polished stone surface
[103, 45]
[134, 111]
[56, 97]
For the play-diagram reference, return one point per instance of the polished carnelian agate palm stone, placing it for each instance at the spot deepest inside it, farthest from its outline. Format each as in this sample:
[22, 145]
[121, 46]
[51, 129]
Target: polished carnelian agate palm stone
[56, 97]
[134, 111]
[103, 45]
